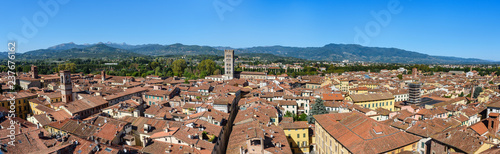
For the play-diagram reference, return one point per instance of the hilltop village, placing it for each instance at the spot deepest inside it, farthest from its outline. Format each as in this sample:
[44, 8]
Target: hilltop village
[390, 111]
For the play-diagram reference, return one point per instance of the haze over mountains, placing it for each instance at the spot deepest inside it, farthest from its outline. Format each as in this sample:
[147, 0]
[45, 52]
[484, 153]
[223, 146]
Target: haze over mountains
[329, 52]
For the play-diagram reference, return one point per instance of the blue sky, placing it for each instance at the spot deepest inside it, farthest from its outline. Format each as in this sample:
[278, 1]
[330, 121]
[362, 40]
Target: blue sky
[449, 28]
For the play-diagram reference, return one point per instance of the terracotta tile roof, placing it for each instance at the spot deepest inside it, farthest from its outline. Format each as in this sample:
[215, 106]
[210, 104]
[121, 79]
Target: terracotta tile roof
[158, 147]
[85, 104]
[480, 127]
[333, 97]
[108, 131]
[42, 119]
[126, 92]
[156, 124]
[241, 133]
[427, 128]
[294, 125]
[285, 102]
[361, 134]
[164, 133]
[224, 100]
[256, 112]
[371, 97]
[460, 139]
[214, 114]
[27, 142]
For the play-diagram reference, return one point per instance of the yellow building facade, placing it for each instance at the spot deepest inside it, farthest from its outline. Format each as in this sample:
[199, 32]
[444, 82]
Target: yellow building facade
[326, 144]
[298, 136]
[373, 101]
[21, 103]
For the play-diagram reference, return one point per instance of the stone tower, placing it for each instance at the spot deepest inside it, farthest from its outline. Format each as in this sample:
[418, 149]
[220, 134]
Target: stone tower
[66, 86]
[228, 64]
[103, 76]
[34, 72]
[414, 72]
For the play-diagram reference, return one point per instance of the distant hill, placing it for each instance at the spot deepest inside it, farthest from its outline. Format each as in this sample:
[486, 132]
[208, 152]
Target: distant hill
[98, 51]
[71, 45]
[329, 52]
[352, 52]
[267, 56]
[176, 49]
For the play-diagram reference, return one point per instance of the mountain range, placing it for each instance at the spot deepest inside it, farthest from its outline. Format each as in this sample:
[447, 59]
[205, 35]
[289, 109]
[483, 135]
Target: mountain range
[329, 52]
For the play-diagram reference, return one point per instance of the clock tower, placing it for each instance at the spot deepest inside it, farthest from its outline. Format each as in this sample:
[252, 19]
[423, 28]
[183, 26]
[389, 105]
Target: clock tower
[66, 86]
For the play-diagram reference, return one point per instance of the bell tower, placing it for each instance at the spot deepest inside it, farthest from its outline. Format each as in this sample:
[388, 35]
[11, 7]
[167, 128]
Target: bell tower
[228, 64]
[66, 86]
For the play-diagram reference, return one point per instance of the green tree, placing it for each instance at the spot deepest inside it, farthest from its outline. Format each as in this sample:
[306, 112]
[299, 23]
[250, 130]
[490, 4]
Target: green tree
[203, 74]
[217, 72]
[178, 66]
[317, 108]
[154, 64]
[288, 114]
[68, 66]
[477, 91]
[302, 117]
[17, 88]
[157, 70]
[207, 65]
[400, 76]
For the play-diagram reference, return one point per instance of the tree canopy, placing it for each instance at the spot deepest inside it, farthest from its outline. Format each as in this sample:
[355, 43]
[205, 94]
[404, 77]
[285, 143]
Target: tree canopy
[317, 108]
[477, 91]
[178, 66]
[207, 65]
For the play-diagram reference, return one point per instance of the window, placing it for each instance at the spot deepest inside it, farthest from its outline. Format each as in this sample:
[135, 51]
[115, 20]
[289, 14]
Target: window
[304, 135]
[298, 135]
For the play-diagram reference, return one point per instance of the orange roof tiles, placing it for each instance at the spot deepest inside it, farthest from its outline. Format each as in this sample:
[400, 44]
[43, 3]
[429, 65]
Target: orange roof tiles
[361, 134]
